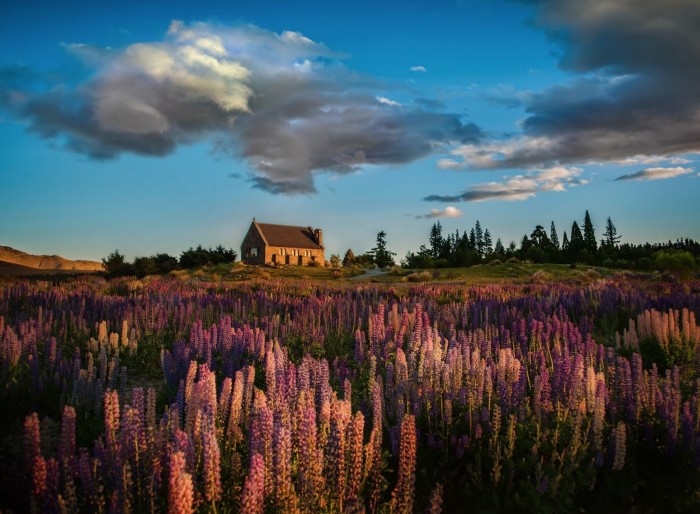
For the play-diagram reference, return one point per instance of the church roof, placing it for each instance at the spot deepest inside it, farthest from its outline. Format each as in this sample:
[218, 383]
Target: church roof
[288, 236]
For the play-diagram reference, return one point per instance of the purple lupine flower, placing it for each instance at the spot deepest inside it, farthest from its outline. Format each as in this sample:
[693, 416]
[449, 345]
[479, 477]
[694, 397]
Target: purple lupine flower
[285, 497]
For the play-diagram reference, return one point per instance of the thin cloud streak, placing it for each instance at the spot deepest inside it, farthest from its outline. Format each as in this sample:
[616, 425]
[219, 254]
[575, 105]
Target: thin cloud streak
[656, 174]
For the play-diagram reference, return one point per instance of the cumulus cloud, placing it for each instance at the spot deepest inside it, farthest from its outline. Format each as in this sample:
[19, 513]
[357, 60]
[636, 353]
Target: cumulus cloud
[518, 187]
[420, 69]
[657, 173]
[283, 102]
[636, 95]
[447, 212]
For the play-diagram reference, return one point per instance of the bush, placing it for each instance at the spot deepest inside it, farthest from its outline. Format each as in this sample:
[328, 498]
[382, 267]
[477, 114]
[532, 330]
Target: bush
[422, 276]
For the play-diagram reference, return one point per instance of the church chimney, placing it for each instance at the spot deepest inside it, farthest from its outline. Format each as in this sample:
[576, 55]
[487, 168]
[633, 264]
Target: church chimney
[318, 233]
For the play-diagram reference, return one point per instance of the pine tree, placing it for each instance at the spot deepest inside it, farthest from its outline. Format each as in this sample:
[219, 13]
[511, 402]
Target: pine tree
[553, 236]
[436, 241]
[488, 249]
[589, 240]
[610, 234]
[472, 239]
[499, 250]
[565, 243]
[382, 256]
[479, 238]
[576, 243]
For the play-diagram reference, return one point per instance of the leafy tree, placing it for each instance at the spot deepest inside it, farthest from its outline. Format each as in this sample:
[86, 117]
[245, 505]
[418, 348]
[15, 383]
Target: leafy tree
[335, 261]
[610, 235]
[539, 238]
[382, 256]
[589, 241]
[349, 258]
[116, 265]
[143, 266]
[553, 236]
[677, 261]
[165, 263]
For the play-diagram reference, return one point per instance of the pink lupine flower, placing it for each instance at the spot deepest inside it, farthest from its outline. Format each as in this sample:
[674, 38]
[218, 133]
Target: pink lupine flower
[253, 497]
[180, 489]
[32, 438]
[403, 494]
[67, 444]
[211, 458]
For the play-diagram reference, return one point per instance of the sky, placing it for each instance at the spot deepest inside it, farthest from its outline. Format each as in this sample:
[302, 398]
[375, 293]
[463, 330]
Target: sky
[152, 127]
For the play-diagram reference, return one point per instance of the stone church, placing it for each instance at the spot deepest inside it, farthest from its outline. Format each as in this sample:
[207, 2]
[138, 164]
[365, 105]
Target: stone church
[265, 243]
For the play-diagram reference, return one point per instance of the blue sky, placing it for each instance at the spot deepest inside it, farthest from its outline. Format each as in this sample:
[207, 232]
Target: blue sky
[156, 127]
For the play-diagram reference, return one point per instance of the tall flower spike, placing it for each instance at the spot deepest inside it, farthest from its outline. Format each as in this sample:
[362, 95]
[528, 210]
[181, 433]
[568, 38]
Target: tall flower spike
[180, 489]
[253, 497]
[403, 494]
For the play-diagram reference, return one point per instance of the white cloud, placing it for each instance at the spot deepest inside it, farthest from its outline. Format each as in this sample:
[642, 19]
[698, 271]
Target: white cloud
[418, 68]
[387, 101]
[519, 187]
[447, 212]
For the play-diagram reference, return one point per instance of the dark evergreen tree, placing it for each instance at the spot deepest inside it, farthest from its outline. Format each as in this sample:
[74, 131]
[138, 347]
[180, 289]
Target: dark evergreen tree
[479, 234]
[472, 239]
[610, 235]
[488, 243]
[436, 242]
[589, 240]
[565, 243]
[553, 236]
[381, 255]
[499, 250]
[576, 243]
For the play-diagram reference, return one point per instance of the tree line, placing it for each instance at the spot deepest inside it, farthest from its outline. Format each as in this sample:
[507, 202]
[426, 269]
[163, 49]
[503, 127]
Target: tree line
[579, 245]
[116, 264]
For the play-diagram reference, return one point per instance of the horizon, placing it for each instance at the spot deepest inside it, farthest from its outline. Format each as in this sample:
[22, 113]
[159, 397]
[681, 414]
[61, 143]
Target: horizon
[157, 128]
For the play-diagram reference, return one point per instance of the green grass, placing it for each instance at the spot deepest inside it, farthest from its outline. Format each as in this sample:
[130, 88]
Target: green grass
[502, 273]
[239, 271]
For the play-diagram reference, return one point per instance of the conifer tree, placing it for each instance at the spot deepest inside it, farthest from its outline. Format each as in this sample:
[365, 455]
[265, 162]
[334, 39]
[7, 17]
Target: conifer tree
[472, 239]
[382, 256]
[576, 243]
[610, 234]
[436, 241]
[349, 259]
[553, 236]
[589, 240]
[565, 243]
[487, 242]
[499, 250]
[479, 233]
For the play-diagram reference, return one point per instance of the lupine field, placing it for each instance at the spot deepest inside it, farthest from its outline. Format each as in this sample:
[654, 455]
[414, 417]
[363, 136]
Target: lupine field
[176, 395]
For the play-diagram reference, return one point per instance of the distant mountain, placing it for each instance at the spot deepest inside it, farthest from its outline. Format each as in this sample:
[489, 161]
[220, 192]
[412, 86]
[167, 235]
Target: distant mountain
[46, 262]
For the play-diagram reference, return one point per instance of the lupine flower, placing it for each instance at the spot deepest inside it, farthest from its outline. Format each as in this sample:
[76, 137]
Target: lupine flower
[253, 497]
[180, 490]
[403, 494]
